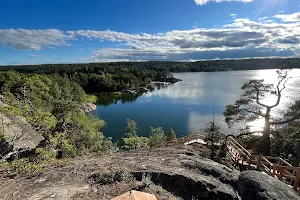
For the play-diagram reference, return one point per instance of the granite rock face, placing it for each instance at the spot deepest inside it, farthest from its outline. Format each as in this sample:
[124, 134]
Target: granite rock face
[259, 186]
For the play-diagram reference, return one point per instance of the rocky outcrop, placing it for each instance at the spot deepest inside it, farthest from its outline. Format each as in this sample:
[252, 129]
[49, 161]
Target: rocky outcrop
[169, 173]
[190, 186]
[88, 107]
[259, 186]
[20, 137]
[20, 133]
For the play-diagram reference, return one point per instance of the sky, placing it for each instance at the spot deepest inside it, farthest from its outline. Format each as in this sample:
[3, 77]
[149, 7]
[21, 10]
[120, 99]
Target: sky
[77, 31]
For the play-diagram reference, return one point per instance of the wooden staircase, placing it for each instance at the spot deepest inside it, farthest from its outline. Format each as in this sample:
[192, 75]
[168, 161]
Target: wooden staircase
[273, 166]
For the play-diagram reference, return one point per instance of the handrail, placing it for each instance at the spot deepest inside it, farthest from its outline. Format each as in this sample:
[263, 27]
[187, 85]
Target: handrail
[238, 144]
[186, 138]
[278, 168]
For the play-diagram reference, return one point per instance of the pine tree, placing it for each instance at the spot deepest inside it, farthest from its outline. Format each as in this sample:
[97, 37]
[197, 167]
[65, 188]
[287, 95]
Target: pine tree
[171, 135]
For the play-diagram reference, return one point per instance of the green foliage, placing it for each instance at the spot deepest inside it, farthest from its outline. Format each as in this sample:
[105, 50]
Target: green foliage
[286, 144]
[46, 154]
[213, 138]
[213, 133]
[116, 93]
[23, 166]
[52, 105]
[132, 140]
[131, 129]
[61, 143]
[41, 120]
[159, 190]
[157, 137]
[91, 98]
[135, 143]
[171, 135]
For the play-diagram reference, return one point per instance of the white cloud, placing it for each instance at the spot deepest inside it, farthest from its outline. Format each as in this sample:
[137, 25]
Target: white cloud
[33, 39]
[243, 37]
[233, 16]
[239, 39]
[204, 2]
[295, 17]
[262, 18]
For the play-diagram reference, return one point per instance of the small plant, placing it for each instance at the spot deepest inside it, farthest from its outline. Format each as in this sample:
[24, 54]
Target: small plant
[159, 190]
[24, 166]
[146, 179]
[112, 176]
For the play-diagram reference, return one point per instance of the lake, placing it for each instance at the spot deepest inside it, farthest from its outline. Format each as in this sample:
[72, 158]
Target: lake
[187, 106]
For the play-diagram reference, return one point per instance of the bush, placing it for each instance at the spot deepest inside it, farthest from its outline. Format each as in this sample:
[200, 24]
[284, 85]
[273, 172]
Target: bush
[91, 98]
[157, 137]
[131, 129]
[135, 143]
[171, 135]
[23, 166]
[60, 143]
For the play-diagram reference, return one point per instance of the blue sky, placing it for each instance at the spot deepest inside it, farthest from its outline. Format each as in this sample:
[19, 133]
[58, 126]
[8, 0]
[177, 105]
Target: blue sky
[56, 31]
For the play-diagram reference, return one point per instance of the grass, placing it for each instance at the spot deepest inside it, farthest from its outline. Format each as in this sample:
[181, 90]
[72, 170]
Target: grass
[35, 166]
[23, 166]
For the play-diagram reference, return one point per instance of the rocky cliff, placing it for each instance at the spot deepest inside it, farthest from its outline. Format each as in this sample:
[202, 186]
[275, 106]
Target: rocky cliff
[169, 173]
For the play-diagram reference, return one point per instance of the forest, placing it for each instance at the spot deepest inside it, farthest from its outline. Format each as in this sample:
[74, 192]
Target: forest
[118, 76]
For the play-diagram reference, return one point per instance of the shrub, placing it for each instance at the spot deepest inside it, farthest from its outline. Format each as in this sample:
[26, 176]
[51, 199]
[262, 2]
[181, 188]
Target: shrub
[157, 137]
[91, 98]
[23, 166]
[171, 135]
[135, 143]
[131, 129]
[59, 142]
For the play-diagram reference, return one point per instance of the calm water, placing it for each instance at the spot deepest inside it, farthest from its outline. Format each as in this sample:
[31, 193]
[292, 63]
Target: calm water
[187, 106]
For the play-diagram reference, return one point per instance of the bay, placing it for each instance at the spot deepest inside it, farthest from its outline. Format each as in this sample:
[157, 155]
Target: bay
[187, 106]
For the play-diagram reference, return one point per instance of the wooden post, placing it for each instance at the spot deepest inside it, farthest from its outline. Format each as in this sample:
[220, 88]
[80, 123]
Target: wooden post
[250, 159]
[274, 170]
[297, 181]
[293, 181]
[236, 157]
[243, 160]
[258, 163]
[281, 173]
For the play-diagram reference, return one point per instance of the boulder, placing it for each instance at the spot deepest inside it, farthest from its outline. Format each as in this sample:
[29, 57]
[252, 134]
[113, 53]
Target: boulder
[20, 139]
[259, 186]
[19, 133]
[208, 167]
[88, 107]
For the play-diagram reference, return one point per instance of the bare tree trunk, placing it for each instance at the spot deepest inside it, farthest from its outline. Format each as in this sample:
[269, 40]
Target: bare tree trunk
[266, 134]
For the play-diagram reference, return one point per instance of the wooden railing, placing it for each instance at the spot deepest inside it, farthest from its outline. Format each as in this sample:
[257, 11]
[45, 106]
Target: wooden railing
[273, 166]
[188, 138]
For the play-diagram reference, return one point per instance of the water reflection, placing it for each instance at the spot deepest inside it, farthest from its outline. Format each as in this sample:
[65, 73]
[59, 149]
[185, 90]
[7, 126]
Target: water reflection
[187, 106]
[107, 100]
